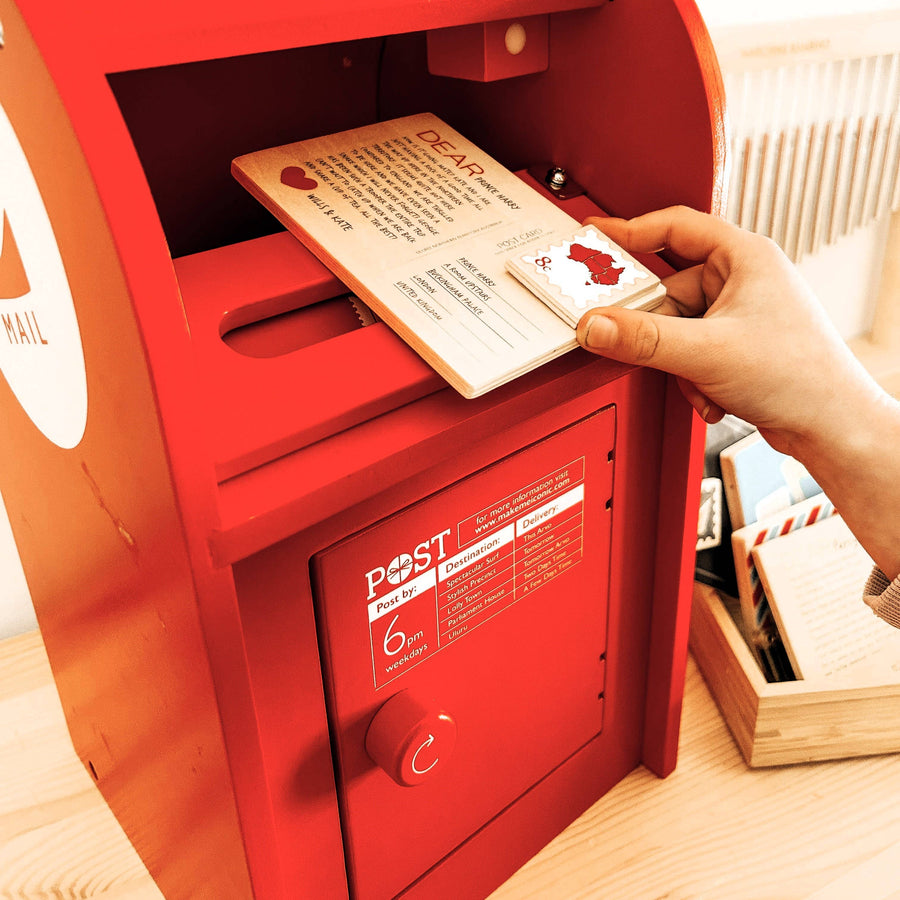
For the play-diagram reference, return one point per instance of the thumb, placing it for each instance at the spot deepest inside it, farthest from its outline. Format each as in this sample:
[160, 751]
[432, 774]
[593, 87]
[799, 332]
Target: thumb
[669, 343]
[642, 338]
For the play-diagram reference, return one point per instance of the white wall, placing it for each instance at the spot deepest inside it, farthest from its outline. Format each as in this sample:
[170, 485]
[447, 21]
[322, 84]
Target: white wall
[722, 13]
[846, 274]
[16, 611]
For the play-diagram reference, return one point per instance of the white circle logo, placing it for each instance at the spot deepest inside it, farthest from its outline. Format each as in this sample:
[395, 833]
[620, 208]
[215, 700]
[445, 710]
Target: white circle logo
[40, 345]
[399, 568]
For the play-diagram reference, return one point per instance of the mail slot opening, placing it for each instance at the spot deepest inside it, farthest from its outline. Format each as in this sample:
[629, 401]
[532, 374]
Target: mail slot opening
[285, 332]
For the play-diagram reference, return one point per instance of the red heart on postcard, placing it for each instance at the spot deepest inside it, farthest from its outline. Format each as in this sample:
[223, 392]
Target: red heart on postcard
[295, 177]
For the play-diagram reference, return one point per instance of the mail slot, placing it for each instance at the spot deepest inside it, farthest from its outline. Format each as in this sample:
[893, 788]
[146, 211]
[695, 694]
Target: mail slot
[322, 627]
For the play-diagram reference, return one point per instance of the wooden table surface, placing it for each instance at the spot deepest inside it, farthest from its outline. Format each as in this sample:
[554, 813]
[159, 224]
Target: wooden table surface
[714, 830]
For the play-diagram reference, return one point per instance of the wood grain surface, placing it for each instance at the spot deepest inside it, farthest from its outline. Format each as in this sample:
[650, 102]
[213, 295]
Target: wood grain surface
[713, 829]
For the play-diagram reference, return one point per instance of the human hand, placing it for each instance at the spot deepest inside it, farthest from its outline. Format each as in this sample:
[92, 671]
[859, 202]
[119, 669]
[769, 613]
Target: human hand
[764, 348]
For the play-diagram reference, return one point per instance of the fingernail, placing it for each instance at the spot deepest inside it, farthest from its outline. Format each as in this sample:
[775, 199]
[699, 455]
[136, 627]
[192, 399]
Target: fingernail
[601, 332]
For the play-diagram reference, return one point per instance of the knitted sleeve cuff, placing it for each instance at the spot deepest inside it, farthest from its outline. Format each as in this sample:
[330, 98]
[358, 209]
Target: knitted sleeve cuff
[883, 597]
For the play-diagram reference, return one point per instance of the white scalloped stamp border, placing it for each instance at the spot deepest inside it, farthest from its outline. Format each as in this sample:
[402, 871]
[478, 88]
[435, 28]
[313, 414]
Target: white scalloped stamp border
[573, 277]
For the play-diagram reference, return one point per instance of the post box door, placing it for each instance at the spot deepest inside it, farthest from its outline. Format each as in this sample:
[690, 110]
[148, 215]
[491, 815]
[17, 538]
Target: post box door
[464, 645]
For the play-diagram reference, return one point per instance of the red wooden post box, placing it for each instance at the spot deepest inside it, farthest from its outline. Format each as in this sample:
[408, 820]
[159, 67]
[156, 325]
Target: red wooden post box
[320, 626]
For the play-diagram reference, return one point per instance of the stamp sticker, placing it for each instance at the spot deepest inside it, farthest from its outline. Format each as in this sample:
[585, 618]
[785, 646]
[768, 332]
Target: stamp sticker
[584, 271]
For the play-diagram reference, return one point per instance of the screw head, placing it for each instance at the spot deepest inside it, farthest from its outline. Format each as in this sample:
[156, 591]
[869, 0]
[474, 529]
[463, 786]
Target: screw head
[557, 178]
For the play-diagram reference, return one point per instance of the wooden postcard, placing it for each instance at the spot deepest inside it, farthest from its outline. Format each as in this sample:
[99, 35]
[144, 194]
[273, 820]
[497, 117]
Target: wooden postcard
[418, 222]
[760, 482]
[759, 626]
[814, 579]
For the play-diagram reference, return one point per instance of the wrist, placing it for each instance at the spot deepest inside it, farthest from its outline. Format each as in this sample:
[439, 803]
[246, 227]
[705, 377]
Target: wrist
[854, 456]
[852, 432]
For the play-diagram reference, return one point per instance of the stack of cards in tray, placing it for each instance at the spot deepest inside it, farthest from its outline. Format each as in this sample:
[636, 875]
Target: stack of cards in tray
[800, 573]
[584, 271]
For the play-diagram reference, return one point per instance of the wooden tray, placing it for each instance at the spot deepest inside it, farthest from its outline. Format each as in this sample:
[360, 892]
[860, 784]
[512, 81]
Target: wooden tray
[787, 722]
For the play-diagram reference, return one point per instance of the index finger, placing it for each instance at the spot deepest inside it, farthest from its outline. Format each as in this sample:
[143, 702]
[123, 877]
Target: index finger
[691, 234]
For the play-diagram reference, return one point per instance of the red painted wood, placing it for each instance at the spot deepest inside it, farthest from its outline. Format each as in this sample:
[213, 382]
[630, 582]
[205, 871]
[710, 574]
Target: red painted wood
[168, 554]
[683, 446]
[249, 423]
[101, 532]
[168, 32]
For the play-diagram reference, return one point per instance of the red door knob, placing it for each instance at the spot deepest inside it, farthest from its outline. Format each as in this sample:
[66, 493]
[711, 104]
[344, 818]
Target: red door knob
[410, 739]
